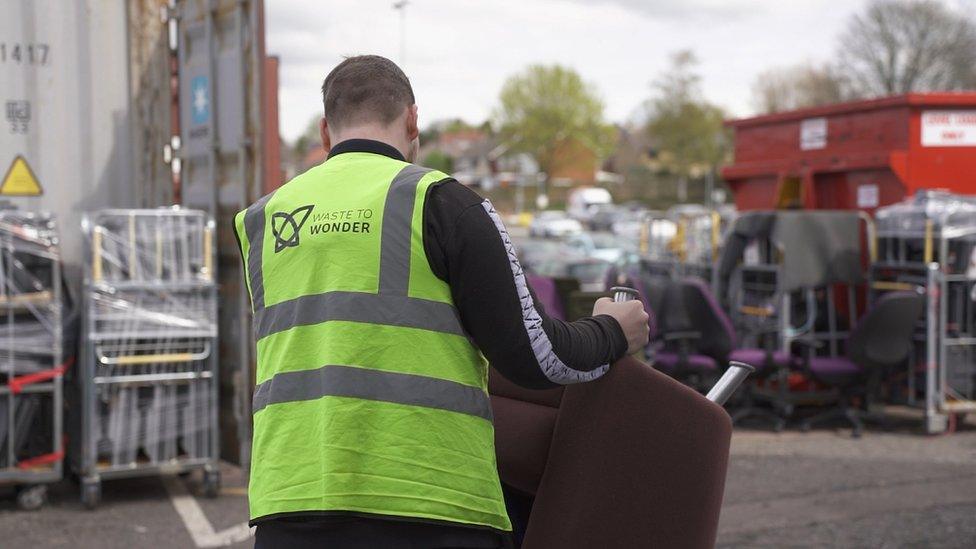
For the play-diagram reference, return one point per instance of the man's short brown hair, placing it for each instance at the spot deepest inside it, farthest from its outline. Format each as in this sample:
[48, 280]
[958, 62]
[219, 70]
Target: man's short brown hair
[365, 89]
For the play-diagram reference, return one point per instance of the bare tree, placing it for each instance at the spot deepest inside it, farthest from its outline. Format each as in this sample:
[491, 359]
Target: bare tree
[899, 46]
[774, 91]
[800, 86]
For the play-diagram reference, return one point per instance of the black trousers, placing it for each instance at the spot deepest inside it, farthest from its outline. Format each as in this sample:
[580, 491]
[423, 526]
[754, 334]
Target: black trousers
[369, 533]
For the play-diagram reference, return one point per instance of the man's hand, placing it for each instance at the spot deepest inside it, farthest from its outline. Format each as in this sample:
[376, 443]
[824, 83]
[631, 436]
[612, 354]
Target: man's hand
[631, 317]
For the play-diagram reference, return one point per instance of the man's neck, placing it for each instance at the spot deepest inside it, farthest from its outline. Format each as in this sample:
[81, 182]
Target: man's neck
[383, 135]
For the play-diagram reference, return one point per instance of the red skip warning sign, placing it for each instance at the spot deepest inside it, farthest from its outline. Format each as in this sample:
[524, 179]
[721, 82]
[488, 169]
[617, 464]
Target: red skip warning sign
[20, 180]
[949, 129]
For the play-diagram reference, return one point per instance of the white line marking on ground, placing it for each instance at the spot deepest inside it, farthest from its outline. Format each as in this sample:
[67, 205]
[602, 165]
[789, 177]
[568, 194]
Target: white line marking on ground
[196, 521]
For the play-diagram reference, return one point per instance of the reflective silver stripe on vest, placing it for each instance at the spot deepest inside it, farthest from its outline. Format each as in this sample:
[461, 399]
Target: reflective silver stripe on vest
[368, 384]
[254, 221]
[386, 309]
[397, 229]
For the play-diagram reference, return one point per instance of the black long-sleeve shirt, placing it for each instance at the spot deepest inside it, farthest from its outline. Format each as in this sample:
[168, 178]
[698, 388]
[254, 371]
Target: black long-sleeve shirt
[468, 247]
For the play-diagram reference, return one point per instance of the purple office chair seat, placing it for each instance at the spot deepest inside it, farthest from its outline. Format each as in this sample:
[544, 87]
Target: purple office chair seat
[833, 366]
[545, 290]
[761, 358]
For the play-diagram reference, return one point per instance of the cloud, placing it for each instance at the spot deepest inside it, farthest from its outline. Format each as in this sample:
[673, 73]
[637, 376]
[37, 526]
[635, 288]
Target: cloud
[458, 54]
[689, 10]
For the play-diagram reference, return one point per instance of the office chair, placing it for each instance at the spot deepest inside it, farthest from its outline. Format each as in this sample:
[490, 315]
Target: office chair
[712, 339]
[882, 338]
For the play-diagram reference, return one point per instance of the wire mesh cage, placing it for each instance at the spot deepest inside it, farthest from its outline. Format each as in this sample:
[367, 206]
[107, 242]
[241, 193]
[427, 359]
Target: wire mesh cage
[929, 242]
[910, 233]
[31, 349]
[149, 378]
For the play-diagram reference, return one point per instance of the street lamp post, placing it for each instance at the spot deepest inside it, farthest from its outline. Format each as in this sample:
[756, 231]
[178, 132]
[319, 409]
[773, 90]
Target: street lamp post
[401, 6]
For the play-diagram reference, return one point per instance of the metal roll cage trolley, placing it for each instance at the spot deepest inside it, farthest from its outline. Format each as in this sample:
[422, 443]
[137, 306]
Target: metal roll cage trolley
[692, 250]
[31, 361]
[148, 373]
[929, 242]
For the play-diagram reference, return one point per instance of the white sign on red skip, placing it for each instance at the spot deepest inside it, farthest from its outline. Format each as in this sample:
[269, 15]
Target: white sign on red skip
[949, 128]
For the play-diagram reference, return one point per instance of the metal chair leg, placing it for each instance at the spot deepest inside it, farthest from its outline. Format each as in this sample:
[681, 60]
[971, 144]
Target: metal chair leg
[846, 412]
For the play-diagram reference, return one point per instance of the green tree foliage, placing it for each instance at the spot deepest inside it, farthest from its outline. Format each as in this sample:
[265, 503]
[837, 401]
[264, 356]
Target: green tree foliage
[309, 139]
[544, 108]
[439, 161]
[685, 130]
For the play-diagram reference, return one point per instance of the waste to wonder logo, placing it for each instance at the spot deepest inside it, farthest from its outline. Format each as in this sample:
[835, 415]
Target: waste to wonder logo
[286, 226]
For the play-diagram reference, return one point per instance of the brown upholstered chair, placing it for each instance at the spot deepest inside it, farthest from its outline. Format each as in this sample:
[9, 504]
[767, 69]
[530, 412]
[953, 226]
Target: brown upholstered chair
[634, 459]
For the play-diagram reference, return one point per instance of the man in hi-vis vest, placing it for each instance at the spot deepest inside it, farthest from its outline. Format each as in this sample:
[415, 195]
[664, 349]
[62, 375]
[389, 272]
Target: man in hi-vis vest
[381, 291]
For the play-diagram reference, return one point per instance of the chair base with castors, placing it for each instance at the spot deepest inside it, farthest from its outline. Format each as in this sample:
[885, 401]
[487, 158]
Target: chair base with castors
[854, 416]
[768, 364]
[752, 411]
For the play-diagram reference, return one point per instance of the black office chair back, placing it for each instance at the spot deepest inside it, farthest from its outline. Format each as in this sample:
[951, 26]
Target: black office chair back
[883, 337]
[690, 305]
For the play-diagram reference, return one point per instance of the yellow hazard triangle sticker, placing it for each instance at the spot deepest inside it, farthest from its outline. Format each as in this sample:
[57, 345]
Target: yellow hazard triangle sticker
[20, 180]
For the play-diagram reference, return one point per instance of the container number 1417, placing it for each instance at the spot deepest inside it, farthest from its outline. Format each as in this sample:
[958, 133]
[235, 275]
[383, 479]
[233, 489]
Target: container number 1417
[29, 54]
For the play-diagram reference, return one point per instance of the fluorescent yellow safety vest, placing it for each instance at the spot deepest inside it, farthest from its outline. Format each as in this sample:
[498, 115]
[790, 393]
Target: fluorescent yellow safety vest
[370, 397]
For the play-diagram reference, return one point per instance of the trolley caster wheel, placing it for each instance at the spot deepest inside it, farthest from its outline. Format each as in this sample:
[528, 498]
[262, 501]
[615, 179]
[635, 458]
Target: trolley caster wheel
[805, 427]
[31, 498]
[91, 493]
[211, 483]
[779, 426]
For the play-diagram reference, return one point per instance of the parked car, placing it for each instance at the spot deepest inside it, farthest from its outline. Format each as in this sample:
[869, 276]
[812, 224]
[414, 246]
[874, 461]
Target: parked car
[604, 216]
[602, 246]
[554, 223]
[584, 201]
[628, 223]
[532, 252]
[590, 272]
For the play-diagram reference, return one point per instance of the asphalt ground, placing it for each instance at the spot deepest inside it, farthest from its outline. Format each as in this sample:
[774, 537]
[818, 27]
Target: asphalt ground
[893, 488]
[889, 489]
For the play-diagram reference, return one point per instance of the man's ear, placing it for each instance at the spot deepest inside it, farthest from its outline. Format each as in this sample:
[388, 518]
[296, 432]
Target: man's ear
[324, 135]
[412, 130]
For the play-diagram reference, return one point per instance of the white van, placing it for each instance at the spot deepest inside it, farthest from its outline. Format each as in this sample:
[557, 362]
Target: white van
[583, 202]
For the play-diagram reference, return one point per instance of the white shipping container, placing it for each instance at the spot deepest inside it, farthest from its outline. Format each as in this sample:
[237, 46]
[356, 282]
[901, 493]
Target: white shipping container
[64, 138]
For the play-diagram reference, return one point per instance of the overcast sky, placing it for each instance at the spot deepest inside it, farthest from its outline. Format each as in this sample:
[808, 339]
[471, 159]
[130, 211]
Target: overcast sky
[459, 52]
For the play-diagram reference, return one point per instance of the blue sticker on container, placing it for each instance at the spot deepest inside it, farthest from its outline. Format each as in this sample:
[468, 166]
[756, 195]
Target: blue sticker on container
[200, 99]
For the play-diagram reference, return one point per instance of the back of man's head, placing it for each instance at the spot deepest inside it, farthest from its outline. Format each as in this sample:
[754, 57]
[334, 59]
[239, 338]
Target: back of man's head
[365, 89]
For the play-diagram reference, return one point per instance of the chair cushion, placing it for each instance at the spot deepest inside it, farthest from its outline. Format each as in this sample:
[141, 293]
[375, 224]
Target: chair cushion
[759, 359]
[498, 385]
[523, 435]
[833, 367]
[668, 362]
[637, 460]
